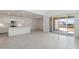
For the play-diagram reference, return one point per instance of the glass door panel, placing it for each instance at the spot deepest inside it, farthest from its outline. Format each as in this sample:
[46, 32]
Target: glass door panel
[63, 26]
[70, 25]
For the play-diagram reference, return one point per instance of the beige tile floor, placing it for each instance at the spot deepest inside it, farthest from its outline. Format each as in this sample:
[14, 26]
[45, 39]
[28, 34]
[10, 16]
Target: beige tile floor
[38, 40]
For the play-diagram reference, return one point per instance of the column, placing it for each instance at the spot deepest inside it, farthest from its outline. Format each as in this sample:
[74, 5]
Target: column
[45, 24]
[77, 27]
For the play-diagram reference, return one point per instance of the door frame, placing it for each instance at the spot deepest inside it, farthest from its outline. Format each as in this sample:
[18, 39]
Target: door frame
[53, 25]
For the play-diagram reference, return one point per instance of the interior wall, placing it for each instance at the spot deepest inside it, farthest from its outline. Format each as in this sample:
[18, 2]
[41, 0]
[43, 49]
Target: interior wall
[25, 21]
[20, 20]
[37, 24]
[40, 24]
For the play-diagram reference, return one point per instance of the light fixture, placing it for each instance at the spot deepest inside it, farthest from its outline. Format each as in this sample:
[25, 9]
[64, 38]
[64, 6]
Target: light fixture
[19, 24]
[1, 25]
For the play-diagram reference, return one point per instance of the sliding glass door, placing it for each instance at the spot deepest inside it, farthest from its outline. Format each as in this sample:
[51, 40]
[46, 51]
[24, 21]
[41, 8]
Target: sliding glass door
[65, 25]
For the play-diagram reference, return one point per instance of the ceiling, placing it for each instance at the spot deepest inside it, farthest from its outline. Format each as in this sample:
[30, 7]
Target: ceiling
[54, 12]
[37, 13]
[20, 13]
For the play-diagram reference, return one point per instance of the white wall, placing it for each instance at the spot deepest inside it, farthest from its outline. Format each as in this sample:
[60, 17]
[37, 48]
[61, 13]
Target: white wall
[40, 24]
[20, 20]
[37, 24]
[25, 21]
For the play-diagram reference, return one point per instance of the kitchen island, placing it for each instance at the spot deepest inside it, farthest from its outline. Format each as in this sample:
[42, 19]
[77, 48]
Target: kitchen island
[13, 31]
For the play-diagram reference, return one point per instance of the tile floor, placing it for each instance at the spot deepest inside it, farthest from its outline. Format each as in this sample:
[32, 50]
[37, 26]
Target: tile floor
[38, 40]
